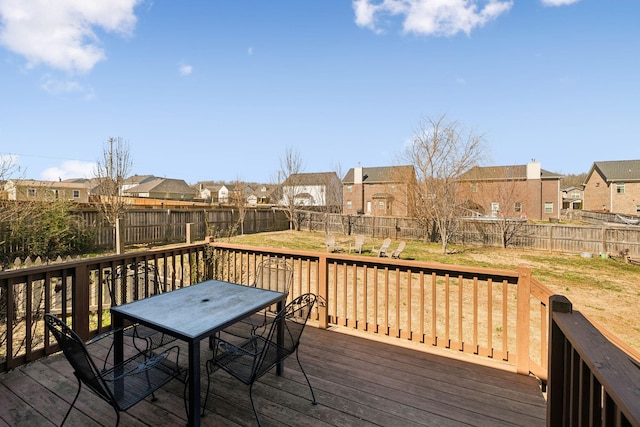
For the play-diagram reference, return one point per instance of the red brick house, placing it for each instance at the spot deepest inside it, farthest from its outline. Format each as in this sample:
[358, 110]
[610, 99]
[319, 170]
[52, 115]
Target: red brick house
[379, 191]
[518, 191]
[613, 186]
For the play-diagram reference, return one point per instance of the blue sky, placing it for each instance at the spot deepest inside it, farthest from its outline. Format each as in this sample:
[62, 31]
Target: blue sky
[218, 90]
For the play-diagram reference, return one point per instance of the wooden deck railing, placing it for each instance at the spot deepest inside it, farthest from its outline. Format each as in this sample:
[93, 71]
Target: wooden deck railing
[592, 382]
[78, 291]
[489, 313]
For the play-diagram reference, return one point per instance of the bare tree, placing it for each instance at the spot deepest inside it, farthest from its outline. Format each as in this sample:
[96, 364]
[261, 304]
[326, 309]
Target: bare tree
[440, 152]
[238, 199]
[290, 189]
[110, 172]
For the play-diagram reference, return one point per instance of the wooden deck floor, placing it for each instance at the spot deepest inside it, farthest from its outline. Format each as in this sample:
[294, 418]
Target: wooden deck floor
[358, 382]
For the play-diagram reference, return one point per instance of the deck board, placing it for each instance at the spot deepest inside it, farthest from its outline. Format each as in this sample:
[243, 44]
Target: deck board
[357, 381]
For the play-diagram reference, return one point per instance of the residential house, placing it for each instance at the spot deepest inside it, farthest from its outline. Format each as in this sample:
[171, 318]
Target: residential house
[380, 191]
[518, 191]
[313, 189]
[162, 188]
[36, 190]
[613, 186]
[572, 198]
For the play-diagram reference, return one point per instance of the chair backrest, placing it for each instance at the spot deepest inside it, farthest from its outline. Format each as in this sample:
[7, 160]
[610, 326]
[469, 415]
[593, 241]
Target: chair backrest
[127, 281]
[74, 349]
[359, 242]
[385, 244]
[401, 246]
[275, 274]
[294, 317]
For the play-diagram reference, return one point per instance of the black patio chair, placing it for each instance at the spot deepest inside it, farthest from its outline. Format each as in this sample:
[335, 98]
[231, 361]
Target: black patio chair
[274, 274]
[252, 358]
[122, 385]
[126, 280]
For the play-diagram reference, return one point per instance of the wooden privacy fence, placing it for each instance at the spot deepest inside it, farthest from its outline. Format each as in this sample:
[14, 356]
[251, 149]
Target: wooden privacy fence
[615, 239]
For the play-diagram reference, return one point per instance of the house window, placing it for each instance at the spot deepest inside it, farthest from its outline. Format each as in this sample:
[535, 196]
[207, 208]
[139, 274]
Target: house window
[495, 208]
[517, 207]
[349, 204]
[620, 188]
[381, 205]
[575, 195]
[31, 192]
[474, 187]
[548, 207]
[638, 209]
[349, 189]
[76, 194]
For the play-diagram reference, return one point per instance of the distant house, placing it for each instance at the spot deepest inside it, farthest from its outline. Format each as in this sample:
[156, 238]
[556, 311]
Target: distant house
[134, 181]
[162, 188]
[312, 189]
[613, 186]
[381, 191]
[36, 190]
[518, 191]
[572, 198]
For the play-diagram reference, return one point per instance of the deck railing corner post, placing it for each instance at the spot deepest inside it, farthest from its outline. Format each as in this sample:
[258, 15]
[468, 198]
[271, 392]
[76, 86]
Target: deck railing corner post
[523, 320]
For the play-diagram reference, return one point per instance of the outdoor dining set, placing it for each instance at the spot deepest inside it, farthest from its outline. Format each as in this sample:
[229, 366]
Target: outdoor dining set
[245, 338]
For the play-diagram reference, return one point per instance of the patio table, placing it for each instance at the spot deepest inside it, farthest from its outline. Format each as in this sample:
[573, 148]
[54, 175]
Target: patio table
[192, 314]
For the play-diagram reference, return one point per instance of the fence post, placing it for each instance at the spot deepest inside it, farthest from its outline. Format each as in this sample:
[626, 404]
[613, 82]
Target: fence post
[556, 363]
[119, 237]
[323, 292]
[188, 232]
[523, 320]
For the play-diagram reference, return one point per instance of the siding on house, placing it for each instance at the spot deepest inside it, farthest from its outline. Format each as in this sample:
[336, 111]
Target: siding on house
[34, 190]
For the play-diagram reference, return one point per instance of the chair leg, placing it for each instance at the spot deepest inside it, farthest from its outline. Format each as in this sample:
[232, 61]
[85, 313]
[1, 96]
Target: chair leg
[313, 395]
[72, 403]
[255, 413]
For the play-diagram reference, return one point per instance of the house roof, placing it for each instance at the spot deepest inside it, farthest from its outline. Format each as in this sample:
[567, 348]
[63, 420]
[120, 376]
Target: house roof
[503, 173]
[617, 170]
[164, 185]
[49, 184]
[380, 174]
[313, 178]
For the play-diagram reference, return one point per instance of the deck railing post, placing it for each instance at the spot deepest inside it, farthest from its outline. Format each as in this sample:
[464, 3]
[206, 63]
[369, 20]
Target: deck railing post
[80, 301]
[323, 292]
[556, 363]
[523, 320]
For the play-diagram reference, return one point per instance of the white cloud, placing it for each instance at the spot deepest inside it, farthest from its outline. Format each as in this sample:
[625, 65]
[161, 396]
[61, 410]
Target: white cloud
[559, 2]
[431, 17]
[60, 33]
[250, 51]
[54, 86]
[69, 169]
[185, 69]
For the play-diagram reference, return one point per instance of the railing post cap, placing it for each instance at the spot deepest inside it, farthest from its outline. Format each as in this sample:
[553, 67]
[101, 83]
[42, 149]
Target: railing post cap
[560, 304]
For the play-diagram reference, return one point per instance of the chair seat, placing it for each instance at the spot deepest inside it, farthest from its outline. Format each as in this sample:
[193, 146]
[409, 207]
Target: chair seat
[139, 375]
[240, 359]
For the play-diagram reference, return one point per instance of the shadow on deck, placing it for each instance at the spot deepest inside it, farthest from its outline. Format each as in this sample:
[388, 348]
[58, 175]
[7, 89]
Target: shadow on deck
[358, 381]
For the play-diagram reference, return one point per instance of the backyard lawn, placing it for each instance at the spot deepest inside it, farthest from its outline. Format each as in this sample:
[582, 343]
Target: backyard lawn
[605, 290]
